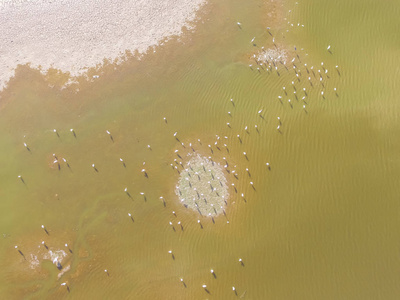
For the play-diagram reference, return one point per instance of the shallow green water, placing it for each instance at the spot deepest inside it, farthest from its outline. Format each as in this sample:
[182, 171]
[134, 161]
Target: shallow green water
[321, 223]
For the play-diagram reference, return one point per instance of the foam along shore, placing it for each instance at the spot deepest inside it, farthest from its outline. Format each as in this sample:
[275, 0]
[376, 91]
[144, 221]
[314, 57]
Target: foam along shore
[75, 35]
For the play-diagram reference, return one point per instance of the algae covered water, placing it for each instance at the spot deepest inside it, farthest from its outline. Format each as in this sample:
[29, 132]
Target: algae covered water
[294, 103]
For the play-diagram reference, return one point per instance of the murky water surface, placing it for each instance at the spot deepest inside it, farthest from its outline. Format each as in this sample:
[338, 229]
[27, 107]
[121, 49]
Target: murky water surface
[313, 183]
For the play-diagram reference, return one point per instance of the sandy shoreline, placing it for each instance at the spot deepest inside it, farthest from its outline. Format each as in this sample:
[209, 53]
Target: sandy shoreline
[74, 35]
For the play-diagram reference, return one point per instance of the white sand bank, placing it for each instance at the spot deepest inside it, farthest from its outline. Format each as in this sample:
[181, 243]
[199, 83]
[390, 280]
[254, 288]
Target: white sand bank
[73, 35]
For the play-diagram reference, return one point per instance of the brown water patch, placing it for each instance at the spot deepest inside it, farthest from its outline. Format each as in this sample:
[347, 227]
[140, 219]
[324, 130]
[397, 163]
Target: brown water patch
[38, 255]
[274, 14]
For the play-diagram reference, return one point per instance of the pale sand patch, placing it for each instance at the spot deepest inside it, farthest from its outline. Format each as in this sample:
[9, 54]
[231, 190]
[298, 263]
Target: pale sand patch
[75, 35]
[202, 186]
[272, 55]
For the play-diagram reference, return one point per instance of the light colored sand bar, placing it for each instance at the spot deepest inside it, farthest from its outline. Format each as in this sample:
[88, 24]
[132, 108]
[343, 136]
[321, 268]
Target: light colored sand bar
[74, 35]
